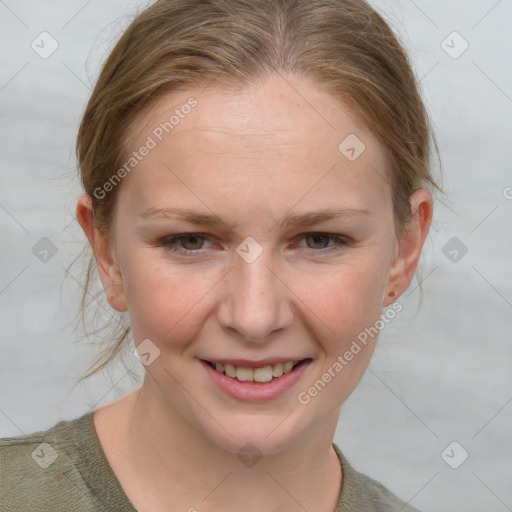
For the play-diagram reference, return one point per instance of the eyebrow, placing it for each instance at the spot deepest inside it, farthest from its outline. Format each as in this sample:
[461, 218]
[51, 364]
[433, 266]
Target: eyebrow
[297, 219]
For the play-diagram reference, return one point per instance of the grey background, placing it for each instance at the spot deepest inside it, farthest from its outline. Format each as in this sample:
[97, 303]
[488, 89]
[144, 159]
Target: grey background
[441, 372]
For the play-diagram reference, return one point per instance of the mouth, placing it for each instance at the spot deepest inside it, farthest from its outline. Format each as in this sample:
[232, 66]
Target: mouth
[261, 374]
[255, 381]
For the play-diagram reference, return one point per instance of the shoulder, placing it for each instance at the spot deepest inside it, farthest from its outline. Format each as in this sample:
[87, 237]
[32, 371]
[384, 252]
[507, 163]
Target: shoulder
[37, 467]
[362, 493]
[382, 498]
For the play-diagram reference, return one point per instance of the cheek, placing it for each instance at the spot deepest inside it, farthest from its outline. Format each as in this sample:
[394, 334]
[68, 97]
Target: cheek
[163, 300]
[348, 305]
[347, 299]
[335, 303]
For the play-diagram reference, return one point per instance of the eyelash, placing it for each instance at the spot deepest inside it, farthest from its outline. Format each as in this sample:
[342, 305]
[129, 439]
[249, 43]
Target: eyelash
[169, 243]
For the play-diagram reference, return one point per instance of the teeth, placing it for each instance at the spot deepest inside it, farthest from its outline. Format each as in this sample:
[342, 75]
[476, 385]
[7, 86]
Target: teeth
[244, 374]
[277, 370]
[264, 374]
[288, 366]
[230, 370]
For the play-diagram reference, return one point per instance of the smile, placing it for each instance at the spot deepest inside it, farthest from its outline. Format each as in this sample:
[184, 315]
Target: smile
[256, 384]
[246, 374]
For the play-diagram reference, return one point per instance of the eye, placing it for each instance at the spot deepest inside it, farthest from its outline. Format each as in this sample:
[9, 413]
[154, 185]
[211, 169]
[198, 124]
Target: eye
[318, 241]
[190, 243]
[183, 244]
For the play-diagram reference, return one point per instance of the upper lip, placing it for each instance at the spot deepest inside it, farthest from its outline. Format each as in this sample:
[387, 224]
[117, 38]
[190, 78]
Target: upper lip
[253, 364]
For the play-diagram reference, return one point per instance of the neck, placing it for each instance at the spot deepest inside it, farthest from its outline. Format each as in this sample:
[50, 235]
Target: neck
[169, 463]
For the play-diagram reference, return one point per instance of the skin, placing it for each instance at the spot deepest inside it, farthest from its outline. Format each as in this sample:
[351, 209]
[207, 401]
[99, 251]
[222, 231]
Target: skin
[251, 156]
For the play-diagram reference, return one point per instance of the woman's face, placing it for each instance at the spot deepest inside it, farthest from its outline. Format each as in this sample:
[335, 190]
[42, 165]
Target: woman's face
[287, 245]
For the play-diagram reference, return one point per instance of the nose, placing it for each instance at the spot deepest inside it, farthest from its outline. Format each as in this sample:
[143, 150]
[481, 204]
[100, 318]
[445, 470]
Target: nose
[256, 301]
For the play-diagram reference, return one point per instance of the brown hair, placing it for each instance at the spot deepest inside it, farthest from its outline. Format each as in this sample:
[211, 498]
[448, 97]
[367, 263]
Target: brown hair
[344, 46]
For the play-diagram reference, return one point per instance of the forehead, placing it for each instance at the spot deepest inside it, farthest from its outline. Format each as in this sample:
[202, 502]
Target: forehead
[276, 104]
[283, 135]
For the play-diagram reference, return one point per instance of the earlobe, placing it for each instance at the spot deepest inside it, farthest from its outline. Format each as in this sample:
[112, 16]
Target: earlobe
[108, 269]
[410, 244]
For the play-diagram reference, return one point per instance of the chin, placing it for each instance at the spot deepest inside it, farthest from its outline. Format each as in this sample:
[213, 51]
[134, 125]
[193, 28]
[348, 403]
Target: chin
[265, 435]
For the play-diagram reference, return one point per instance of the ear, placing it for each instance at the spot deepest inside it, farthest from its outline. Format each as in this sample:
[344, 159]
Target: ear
[104, 252]
[410, 244]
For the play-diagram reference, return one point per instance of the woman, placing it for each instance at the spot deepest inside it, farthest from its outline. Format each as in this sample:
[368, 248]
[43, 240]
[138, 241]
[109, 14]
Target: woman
[256, 182]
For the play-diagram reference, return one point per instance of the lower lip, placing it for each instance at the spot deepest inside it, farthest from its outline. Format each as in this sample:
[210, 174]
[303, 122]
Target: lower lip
[256, 391]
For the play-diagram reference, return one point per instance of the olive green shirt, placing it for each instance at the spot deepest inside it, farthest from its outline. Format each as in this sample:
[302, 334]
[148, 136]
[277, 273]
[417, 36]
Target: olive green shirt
[65, 469]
